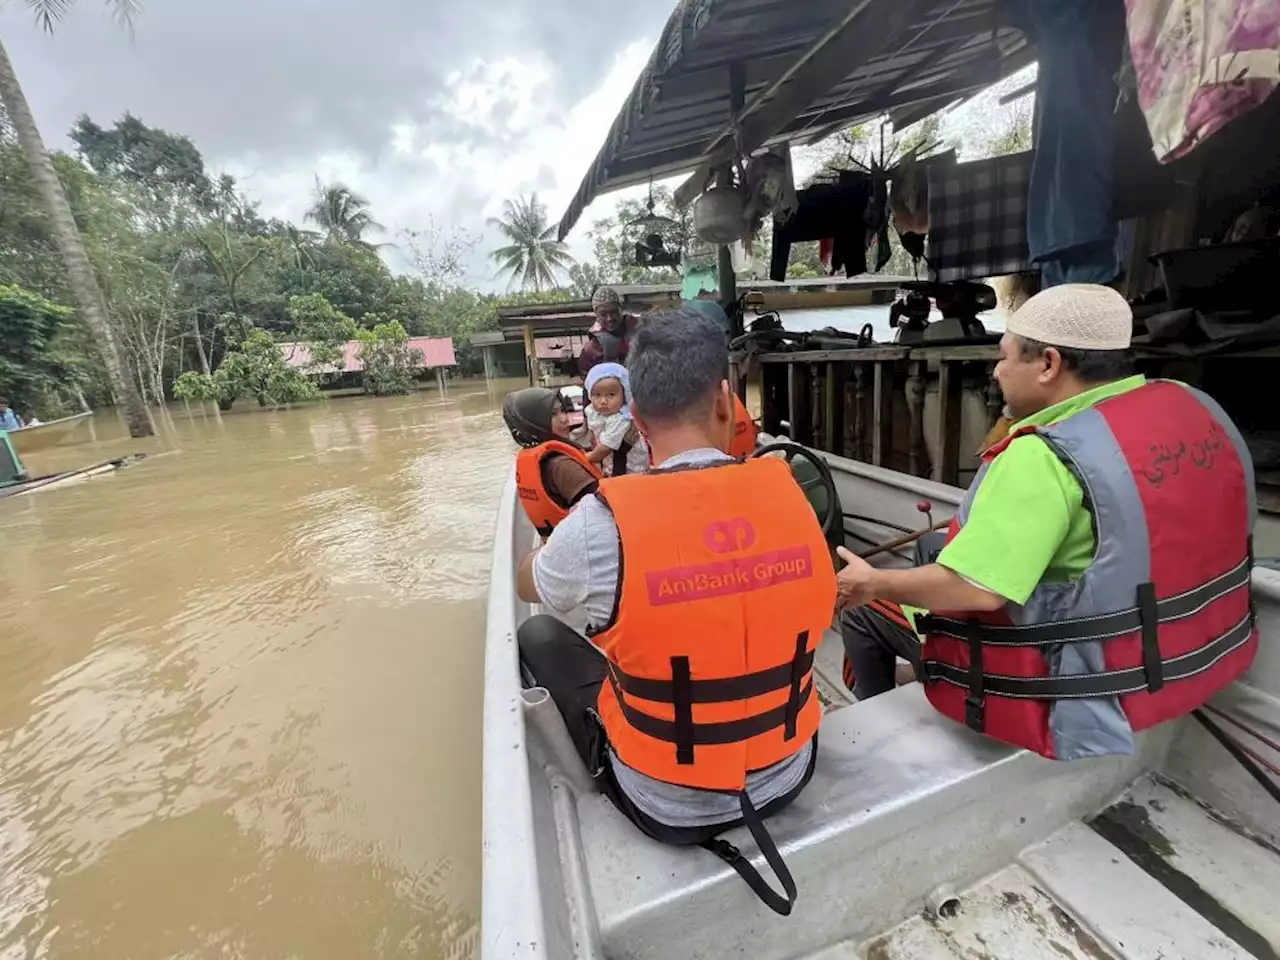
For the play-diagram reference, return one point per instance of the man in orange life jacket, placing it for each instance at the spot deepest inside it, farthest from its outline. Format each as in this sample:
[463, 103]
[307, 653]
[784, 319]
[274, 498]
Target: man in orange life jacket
[1096, 579]
[552, 474]
[688, 728]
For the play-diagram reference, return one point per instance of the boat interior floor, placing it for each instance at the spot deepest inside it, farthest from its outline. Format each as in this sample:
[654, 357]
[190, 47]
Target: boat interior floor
[903, 802]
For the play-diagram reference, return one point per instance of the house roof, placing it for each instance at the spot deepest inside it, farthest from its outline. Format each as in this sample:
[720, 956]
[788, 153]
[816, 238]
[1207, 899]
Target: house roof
[796, 71]
[436, 352]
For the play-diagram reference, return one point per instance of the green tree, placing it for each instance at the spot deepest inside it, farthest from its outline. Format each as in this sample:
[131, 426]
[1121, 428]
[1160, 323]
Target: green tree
[390, 364]
[29, 369]
[533, 258]
[341, 213]
[81, 277]
[258, 369]
[322, 328]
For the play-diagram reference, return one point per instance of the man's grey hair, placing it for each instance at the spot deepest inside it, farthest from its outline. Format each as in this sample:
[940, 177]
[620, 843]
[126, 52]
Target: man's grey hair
[676, 362]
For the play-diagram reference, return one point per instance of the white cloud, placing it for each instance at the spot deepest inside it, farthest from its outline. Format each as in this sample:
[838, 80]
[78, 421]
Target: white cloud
[515, 142]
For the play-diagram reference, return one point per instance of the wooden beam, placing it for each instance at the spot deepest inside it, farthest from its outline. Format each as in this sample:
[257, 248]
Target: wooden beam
[773, 399]
[860, 34]
[863, 355]
[917, 452]
[950, 390]
[882, 415]
[798, 405]
[530, 354]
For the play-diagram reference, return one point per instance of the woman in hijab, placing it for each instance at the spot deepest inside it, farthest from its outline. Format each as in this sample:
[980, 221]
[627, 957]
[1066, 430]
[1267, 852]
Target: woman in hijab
[553, 473]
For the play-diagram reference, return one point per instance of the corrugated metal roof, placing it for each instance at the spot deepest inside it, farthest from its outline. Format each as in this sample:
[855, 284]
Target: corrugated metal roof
[807, 67]
[436, 352]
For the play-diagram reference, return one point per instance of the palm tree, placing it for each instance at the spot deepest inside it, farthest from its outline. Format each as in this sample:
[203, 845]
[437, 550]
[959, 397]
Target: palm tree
[84, 285]
[341, 213]
[534, 255]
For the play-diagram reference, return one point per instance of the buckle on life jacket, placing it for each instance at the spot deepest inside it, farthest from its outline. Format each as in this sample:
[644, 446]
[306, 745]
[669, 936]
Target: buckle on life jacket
[975, 713]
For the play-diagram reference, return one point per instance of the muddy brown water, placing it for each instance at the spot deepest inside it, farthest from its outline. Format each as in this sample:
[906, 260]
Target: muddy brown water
[240, 685]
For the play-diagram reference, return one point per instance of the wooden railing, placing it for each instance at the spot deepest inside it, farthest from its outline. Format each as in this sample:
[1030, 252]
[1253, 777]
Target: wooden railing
[869, 404]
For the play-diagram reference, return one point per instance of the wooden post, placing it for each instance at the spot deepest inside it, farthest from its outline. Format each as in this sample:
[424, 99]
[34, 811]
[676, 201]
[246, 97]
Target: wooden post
[726, 280]
[530, 354]
[833, 409]
[916, 452]
[772, 397]
[816, 379]
[798, 403]
[950, 390]
[882, 415]
[858, 448]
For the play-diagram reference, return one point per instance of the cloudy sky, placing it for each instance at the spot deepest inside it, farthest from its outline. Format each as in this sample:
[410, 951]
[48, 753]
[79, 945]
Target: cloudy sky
[436, 111]
[431, 109]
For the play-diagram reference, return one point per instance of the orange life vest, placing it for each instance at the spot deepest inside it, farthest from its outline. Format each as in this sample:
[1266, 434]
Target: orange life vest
[726, 592]
[543, 510]
[744, 431]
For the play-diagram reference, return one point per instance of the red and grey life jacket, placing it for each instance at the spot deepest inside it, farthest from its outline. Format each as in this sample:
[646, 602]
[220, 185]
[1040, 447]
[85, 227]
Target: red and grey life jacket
[1161, 620]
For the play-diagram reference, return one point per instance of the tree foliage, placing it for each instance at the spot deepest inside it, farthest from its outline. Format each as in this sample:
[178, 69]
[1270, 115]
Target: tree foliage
[390, 364]
[256, 369]
[31, 369]
[533, 259]
[341, 213]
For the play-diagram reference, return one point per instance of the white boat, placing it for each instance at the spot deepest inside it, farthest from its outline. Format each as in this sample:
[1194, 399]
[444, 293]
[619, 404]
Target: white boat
[54, 433]
[915, 839]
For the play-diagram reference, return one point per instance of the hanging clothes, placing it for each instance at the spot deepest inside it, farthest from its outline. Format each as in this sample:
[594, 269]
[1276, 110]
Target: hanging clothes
[978, 218]
[1200, 64]
[1071, 230]
[827, 210]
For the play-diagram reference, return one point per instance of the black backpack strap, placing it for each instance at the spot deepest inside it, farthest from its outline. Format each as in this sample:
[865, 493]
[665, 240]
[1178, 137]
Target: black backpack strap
[731, 855]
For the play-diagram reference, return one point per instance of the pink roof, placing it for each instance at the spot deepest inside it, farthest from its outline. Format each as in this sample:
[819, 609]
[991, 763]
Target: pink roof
[436, 352]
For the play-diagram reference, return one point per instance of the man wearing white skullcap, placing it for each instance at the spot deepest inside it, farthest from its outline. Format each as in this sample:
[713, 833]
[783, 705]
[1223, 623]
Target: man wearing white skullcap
[1169, 511]
[610, 336]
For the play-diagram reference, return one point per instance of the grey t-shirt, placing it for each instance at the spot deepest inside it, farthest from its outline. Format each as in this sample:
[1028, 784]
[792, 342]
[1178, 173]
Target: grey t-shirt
[576, 573]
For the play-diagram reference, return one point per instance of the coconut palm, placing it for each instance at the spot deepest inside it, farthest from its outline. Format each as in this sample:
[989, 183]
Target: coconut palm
[341, 213]
[534, 255]
[80, 276]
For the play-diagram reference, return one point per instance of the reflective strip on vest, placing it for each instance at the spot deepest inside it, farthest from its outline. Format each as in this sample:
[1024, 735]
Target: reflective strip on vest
[725, 591]
[1160, 621]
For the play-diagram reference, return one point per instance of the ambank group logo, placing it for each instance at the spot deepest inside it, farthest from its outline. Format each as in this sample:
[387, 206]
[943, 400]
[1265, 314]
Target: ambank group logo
[743, 573]
[724, 536]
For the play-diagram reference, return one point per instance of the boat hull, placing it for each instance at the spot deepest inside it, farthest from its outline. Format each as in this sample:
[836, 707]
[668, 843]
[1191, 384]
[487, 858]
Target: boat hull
[73, 429]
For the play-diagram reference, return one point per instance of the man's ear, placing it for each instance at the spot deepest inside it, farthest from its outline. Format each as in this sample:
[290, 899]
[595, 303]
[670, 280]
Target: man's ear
[724, 402]
[640, 424]
[1053, 368]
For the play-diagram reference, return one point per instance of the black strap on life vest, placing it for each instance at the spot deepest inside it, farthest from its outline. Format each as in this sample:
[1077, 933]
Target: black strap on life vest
[720, 690]
[1109, 683]
[731, 855]
[975, 704]
[1105, 627]
[1149, 617]
[706, 734]
[797, 677]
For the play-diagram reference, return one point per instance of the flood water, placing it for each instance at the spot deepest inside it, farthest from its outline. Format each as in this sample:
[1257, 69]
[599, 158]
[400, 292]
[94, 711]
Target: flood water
[240, 685]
